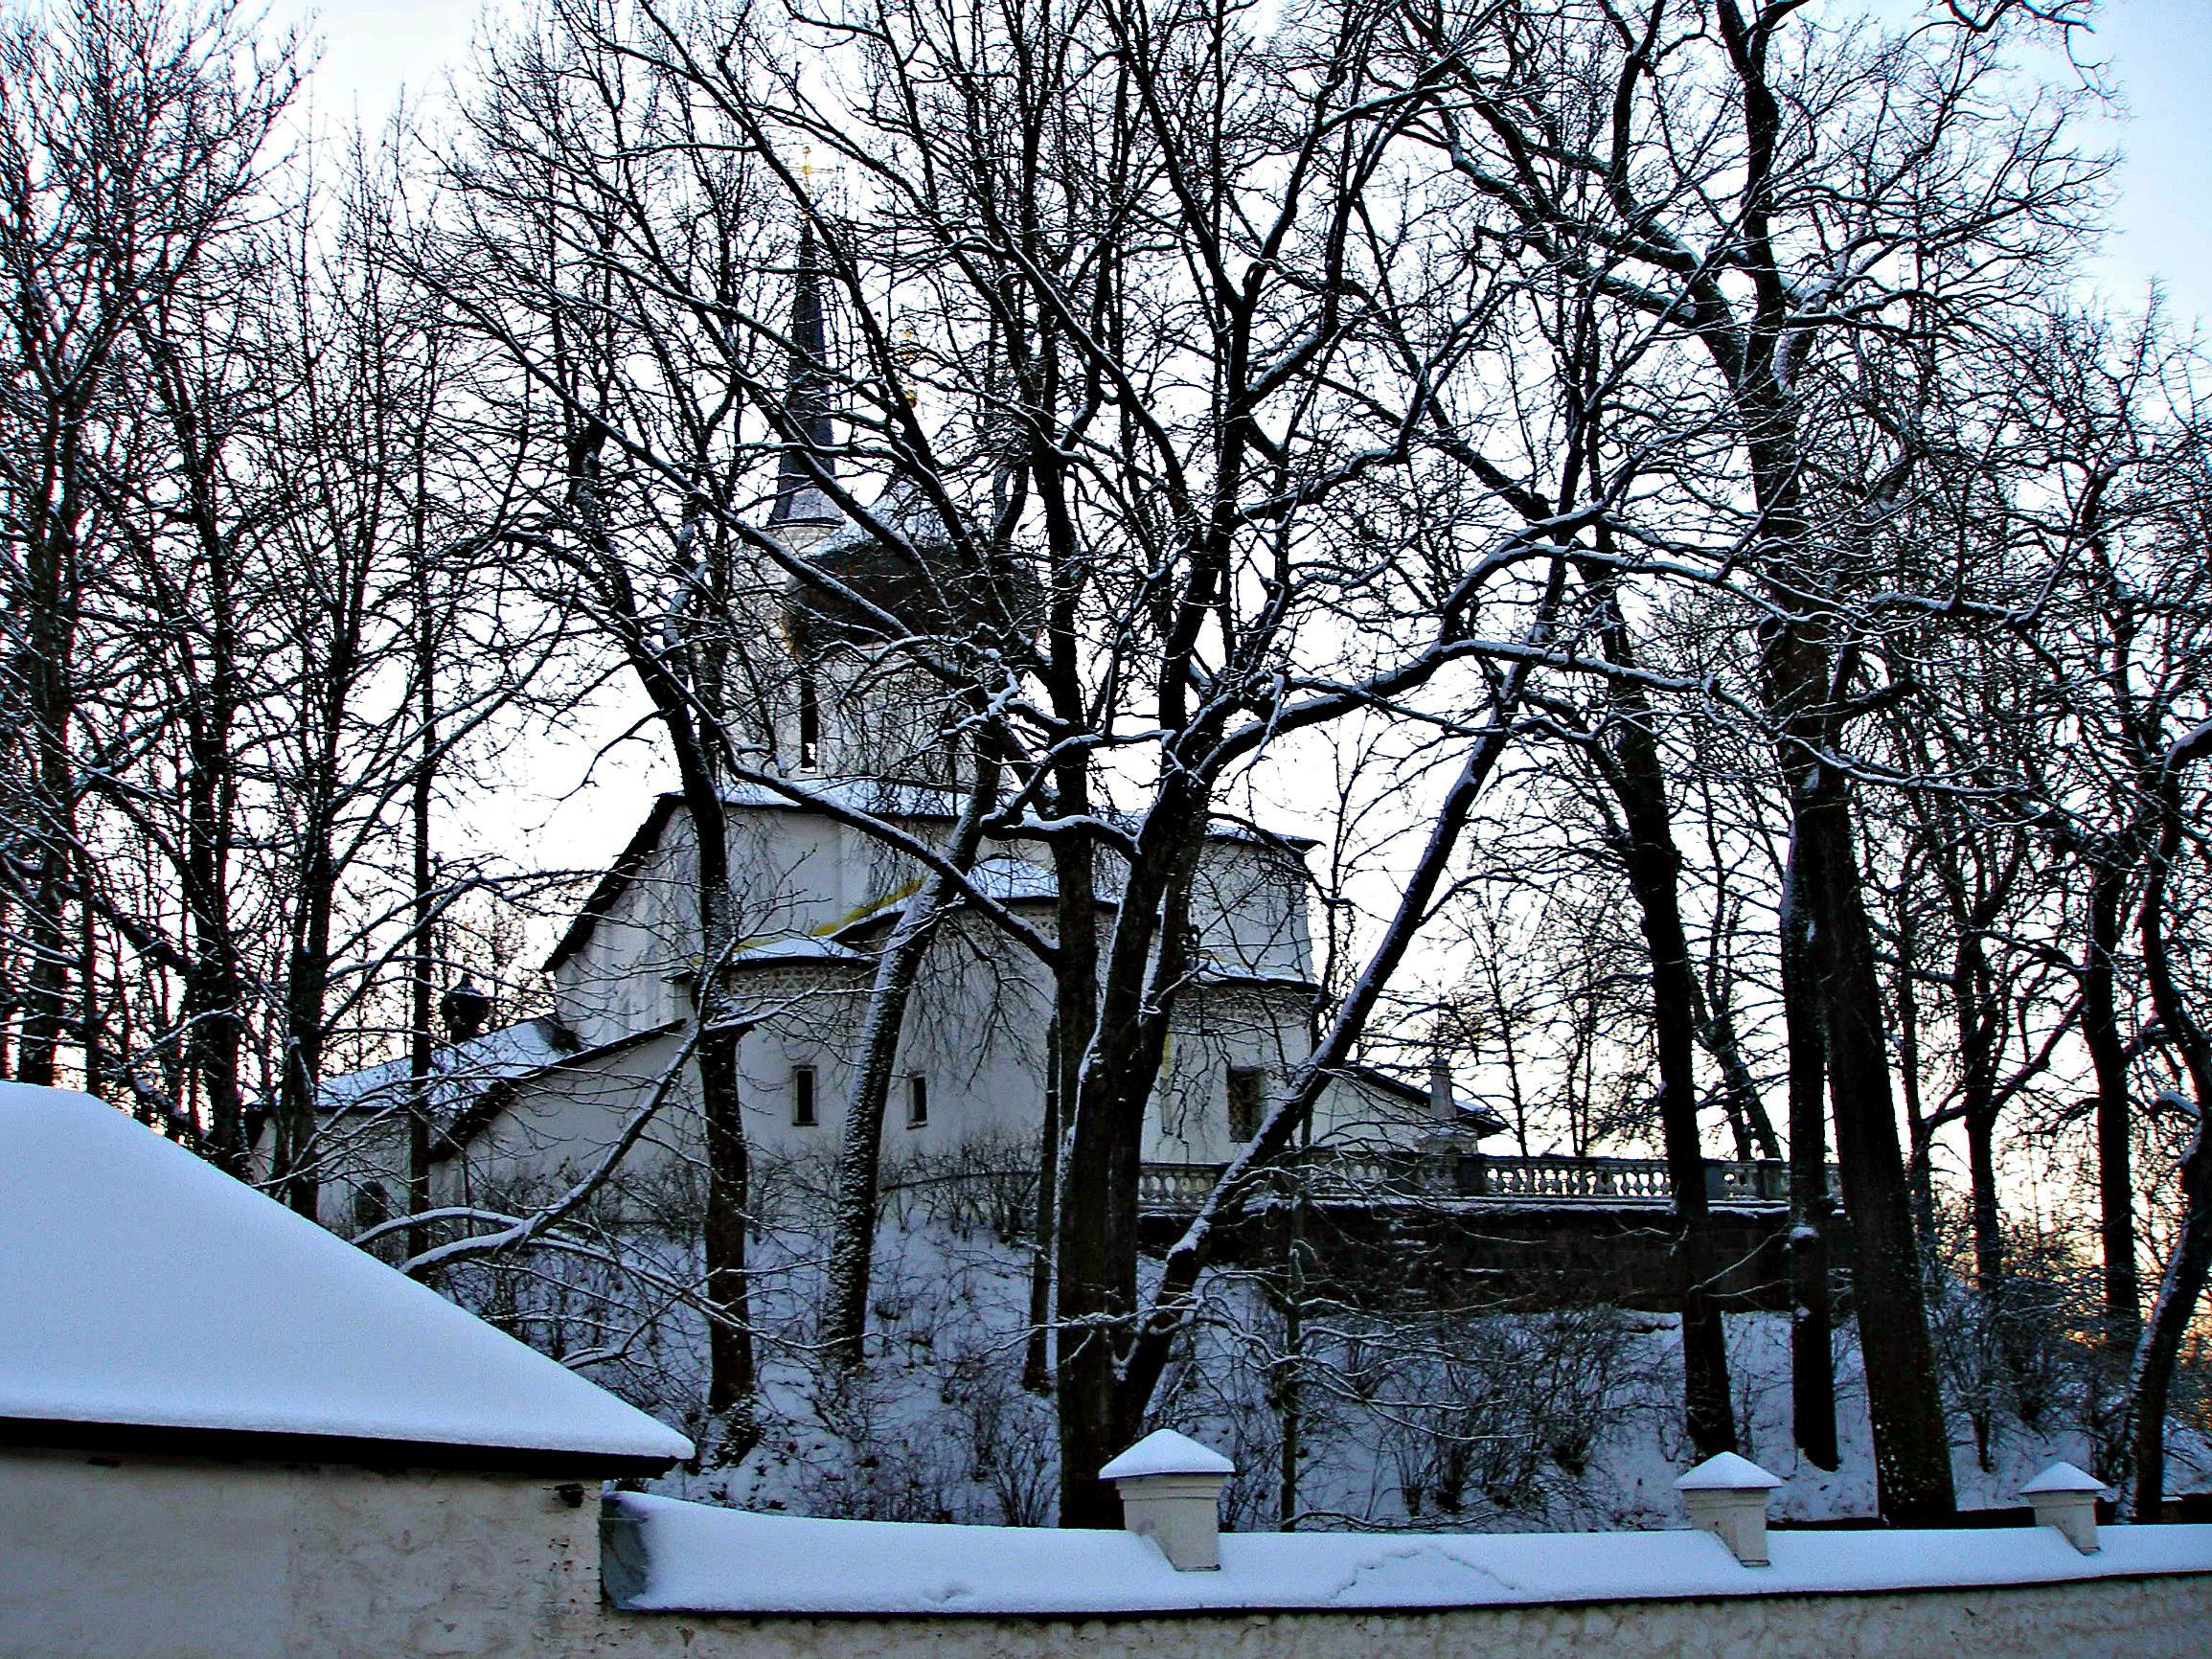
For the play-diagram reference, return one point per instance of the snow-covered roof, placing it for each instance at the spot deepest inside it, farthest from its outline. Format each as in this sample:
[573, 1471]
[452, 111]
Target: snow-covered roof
[690, 1557]
[899, 507]
[795, 948]
[461, 1071]
[1014, 881]
[1008, 880]
[867, 797]
[146, 1298]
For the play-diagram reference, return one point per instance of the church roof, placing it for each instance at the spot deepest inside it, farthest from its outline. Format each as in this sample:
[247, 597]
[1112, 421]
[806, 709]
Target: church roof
[799, 499]
[916, 573]
[874, 797]
[459, 1071]
[1475, 1118]
[154, 1302]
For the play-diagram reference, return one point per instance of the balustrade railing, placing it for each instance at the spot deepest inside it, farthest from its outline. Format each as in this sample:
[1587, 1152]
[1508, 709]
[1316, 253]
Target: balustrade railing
[1553, 1180]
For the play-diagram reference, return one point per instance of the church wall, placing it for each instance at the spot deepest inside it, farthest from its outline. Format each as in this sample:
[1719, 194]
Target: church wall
[1250, 905]
[975, 1029]
[560, 1122]
[618, 980]
[789, 873]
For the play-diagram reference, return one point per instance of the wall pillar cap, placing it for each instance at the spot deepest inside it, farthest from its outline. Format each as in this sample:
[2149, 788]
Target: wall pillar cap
[1726, 1496]
[1726, 1472]
[1165, 1452]
[2063, 1477]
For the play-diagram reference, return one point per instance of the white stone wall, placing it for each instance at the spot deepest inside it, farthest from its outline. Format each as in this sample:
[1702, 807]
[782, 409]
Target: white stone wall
[153, 1558]
[2161, 1617]
[149, 1558]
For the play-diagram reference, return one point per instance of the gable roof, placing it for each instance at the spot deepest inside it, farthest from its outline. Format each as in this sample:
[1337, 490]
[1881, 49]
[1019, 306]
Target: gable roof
[149, 1300]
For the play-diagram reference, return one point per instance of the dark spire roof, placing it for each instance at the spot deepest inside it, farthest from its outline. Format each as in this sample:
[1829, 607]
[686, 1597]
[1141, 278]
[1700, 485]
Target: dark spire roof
[806, 398]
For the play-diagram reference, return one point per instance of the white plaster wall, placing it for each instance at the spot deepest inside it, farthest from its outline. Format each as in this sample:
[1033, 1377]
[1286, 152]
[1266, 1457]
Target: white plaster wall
[560, 1122]
[2164, 1617]
[145, 1558]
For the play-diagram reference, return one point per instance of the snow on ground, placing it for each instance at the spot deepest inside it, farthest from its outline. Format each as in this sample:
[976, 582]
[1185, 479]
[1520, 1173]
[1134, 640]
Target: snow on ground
[141, 1285]
[1471, 1423]
[696, 1559]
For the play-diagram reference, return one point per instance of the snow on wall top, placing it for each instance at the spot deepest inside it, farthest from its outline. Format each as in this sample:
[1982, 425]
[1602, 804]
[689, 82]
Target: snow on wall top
[692, 1557]
[140, 1285]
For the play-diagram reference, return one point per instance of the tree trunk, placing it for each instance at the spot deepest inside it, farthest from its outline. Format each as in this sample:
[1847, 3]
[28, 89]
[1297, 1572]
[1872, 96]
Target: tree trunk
[1919, 1168]
[1977, 1106]
[1911, 1442]
[1812, 1321]
[731, 1379]
[1036, 1351]
[860, 1147]
[1653, 865]
[213, 987]
[307, 989]
[422, 1038]
[729, 1176]
[50, 581]
[2187, 1268]
[1100, 1413]
[2115, 1149]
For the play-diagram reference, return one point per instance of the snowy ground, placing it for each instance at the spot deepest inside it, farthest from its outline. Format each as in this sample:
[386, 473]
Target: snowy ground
[1437, 1423]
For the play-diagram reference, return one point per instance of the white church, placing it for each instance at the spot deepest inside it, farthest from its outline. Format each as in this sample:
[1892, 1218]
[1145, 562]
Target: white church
[817, 897]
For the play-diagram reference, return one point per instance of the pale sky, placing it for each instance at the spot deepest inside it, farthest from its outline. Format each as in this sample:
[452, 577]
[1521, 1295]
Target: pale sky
[2159, 55]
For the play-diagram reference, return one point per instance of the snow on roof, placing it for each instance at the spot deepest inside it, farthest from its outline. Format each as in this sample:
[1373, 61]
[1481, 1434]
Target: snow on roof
[795, 948]
[1481, 1119]
[1165, 1452]
[892, 798]
[1007, 880]
[462, 1070]
[145, 1289]
[1010, 880]
[901, 507]
[692, 1557]
[875, 797]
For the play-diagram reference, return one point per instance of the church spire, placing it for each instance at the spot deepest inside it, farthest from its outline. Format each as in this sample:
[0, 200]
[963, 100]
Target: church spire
[799, 500]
